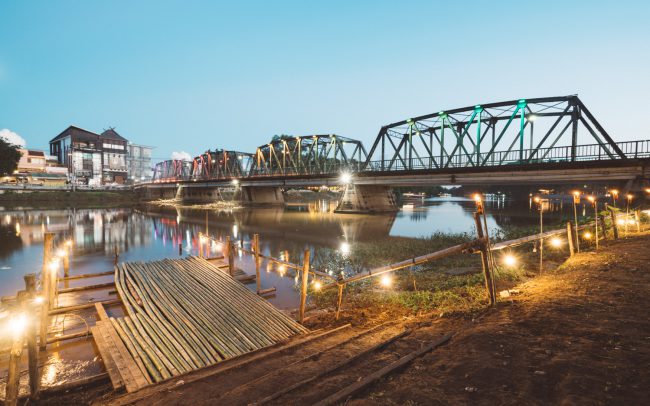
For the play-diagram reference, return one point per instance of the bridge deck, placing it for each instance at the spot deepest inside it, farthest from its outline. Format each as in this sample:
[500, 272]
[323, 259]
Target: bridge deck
[186, 314]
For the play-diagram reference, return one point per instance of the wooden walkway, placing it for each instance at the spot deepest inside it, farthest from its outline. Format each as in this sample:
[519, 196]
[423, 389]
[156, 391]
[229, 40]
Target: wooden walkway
[182, 315]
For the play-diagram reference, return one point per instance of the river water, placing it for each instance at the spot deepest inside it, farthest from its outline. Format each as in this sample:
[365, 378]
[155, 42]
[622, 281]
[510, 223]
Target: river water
[148, 233]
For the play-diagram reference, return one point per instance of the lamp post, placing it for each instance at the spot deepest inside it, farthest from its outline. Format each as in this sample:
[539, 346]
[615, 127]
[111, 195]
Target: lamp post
[576, 202]
[541, 231]
[614, 193]
[629, 198]
[593, 200]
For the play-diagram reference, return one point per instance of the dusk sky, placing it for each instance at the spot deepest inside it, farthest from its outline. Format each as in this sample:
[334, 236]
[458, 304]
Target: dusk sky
[191, 75]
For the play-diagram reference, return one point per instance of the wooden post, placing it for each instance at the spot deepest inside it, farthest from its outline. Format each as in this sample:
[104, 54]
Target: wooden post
[231, 257]
[117, 256]
[338, 304]
[569, 238]
[226, 247]
[32, 348]
[180, 249]
[637, 218]
[613, 216]
[303, 289]
[256, 243]
[200, 245]
[489, 283]
[13, 372]
[48, 243]
[66, 264]
[604, 226]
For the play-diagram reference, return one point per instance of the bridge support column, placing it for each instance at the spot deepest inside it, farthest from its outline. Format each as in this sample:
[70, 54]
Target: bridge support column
[262, 195]
[207, 195]
[367, 199]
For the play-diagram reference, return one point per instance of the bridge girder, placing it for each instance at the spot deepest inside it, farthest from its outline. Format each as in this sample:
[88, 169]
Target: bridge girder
[221, 164]
[308, 155]
[172, 170]
[457, 138]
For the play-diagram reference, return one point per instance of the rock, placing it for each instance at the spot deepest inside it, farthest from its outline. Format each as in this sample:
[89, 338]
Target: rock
[471, 389]
[540, 373]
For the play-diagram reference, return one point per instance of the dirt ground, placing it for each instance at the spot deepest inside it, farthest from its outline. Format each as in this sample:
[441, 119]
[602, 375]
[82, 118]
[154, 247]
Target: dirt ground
[576, 335]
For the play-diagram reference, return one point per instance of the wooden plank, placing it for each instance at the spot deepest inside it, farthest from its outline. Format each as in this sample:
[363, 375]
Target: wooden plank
[66, 309]
[101, 312]
[109, 364]
[371, 378]
[129, 370]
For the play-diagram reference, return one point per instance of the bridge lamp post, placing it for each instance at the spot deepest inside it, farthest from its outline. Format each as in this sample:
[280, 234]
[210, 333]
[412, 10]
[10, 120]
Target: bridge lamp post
[593, 200]
[576, 202]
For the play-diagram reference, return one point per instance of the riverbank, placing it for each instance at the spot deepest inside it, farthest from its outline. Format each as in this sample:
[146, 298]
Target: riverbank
[65, 198]
[577, 334]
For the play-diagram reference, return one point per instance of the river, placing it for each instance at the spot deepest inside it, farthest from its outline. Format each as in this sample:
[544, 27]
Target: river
[152, 232]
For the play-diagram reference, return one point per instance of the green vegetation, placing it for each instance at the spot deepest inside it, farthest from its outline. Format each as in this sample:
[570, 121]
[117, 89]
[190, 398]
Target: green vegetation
[453, 284]
[9, 157]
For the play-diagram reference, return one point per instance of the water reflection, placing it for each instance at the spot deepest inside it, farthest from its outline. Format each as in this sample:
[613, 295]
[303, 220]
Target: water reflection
[163, 232]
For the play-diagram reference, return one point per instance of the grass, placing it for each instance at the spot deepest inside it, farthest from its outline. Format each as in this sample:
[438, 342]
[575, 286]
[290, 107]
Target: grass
[453, 284]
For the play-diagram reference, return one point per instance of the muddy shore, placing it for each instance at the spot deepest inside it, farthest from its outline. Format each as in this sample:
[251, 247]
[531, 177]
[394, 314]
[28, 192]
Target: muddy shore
[576, 334]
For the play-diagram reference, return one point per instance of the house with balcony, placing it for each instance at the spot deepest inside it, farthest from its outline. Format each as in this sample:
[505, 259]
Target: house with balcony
[91, 158]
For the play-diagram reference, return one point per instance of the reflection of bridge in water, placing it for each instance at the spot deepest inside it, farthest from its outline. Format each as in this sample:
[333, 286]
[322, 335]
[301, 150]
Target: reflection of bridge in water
[282, 223]
[549, 141]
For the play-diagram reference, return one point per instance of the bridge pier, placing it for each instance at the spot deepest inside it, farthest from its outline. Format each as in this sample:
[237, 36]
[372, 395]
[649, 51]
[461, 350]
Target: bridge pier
[208, 194]
[262, 195]
[367, 199]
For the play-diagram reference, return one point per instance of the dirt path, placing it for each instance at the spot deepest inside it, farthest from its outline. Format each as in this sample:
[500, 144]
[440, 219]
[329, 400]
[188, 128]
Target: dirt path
[580, 335]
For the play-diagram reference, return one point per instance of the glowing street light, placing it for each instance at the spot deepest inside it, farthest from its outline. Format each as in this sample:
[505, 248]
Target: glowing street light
[509, 260]
[556, 242]
[39, 299]
[587, 235]
[17, 324]
[317, 285]
[538, 200]
[593, 200]
[614, 194]
[235, 182]
[629, 198]
[346, 178]
[386, 281]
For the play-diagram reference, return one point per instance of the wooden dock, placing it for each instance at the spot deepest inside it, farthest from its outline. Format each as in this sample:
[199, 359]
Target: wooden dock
[182, 315]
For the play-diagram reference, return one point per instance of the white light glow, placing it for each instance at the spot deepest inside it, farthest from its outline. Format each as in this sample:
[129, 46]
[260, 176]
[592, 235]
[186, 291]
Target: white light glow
[346, 178]
[509, 260]
[386, 281]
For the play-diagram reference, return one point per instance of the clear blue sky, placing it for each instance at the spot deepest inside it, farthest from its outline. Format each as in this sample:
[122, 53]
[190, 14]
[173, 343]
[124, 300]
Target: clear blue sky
[191, 75]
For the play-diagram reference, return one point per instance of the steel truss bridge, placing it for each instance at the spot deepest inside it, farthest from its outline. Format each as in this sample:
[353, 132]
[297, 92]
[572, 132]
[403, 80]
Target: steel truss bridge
[517, 135]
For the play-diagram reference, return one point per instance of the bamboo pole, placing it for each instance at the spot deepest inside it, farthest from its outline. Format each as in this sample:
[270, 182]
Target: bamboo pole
[569, 238]
[231, 258]
[614, 217]
[66, 264]
[116, 259]
[88, 275]
[303, 288]
[88, 287]
[13, 371]
[46, 287]
[487, 271]
[256, 244]
[412, 261]
[32, 348]
[340, 300]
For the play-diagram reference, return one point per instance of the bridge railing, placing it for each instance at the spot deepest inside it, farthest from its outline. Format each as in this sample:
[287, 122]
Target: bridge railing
[591, 152]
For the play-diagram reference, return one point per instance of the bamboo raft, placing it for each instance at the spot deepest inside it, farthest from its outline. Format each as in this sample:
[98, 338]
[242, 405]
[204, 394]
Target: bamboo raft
[182, 315]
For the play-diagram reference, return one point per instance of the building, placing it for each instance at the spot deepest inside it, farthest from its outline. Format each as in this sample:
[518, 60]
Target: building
[138, 162]
[35, 167]
[114, 149]
[91, 158]
[31, 161]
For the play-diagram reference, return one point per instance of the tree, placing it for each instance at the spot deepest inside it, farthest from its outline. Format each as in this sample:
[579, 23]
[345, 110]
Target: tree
[9, 157]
